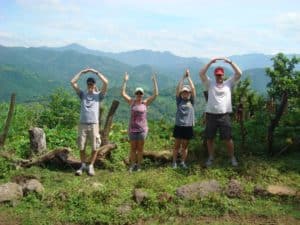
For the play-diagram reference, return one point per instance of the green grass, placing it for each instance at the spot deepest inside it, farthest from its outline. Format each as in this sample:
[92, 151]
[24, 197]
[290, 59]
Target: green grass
[88, 200]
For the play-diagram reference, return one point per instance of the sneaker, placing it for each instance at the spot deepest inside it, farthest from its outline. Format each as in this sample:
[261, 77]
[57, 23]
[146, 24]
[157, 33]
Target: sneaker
[234, 162]
[209, 162]
[138, 168]
[80, 170]
[174, 165]
[131, 168]
[91, 170]
[183, 165]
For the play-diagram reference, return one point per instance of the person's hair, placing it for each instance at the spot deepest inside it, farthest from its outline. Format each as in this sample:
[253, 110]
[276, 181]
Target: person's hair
[91, 80]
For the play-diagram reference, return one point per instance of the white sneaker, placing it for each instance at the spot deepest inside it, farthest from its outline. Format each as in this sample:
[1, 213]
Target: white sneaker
[91, 170]
[174, 165]
[80, 170]
[183, 165]
[138, 168]
[234, 162]
[132, 168]
[209, 162]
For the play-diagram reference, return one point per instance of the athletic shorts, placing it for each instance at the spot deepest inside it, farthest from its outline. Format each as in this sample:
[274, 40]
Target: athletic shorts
[89, 132]
[137, 136]
[215, 122]
[181, 132]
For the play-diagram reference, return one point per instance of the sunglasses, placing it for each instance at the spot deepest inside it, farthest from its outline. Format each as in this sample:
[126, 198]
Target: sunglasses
[139, 93]
[90, 84]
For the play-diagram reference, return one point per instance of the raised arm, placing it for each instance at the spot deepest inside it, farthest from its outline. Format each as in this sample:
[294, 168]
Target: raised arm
[123, 90]
[203, 72]
[102, 78]
[150, 99]
[76, 78]
[237, 70]
[179, 86]
[193, 90]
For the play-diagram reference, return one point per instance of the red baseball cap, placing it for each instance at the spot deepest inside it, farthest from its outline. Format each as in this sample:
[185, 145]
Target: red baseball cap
[219, 71]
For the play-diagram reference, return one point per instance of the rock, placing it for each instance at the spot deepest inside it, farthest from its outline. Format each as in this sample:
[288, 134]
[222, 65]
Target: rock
[33, 185]
[234, 189]
[97, 185]
[139, 196]
[199, 189]
[37, 140]
[281, 190]
[124, 209]
[260, 191]
[10, 192]
[165, 197]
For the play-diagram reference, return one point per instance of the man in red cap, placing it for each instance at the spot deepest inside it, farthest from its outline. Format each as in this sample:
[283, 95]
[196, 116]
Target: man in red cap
[219, 107]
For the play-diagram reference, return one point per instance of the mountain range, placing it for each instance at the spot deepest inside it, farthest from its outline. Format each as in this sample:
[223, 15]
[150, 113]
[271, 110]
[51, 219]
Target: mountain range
[37, 71]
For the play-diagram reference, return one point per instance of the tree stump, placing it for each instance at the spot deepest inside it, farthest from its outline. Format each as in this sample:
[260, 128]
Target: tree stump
[37, 140]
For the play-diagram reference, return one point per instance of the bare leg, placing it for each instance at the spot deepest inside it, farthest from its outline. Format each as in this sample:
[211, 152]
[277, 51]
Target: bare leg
[176, 149]
[210, 148]
[93, 157]
[133, 150]
[230, 147]
[184, 150]
[140, 149]
[82, 156]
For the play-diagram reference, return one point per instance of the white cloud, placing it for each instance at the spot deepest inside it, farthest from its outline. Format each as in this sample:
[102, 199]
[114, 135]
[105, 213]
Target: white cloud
[50, 5]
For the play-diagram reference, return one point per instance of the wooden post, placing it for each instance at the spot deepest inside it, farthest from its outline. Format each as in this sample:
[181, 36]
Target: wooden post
[8, 120]
[108, 123]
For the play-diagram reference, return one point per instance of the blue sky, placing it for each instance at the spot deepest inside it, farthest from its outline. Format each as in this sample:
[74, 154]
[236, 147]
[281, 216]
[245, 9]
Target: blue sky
[186, 28]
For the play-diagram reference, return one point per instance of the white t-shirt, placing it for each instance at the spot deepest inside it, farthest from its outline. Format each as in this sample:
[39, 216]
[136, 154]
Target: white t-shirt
[219, 96]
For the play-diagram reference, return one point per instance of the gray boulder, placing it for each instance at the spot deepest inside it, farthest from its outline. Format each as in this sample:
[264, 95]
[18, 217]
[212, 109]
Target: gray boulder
[139, 195]
[198, 190]
[10, 192]
[33, 185]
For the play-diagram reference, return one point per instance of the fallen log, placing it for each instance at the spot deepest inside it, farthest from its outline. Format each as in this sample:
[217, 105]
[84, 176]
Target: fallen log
[60, 157]
[161, 156]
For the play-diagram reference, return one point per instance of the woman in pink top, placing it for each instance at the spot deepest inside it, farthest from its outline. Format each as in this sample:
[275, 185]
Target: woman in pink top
[138, 127]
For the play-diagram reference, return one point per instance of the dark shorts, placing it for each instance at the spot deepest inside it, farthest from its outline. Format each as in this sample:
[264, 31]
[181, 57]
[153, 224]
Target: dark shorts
[219, 122]
[137, 136]
[180, 132]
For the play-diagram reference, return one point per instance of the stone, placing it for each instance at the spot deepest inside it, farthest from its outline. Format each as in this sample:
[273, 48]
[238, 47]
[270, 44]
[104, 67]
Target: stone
[33, 186]
[37, 140]
[198, 189]
[124, 209]
[165, 197]
[10, 192]
[139, 195]
[260, 191]
[234, 189]
[281, 190]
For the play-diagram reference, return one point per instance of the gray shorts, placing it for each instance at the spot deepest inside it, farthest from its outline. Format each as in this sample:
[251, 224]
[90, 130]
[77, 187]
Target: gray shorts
[215, 122]
[137, 136]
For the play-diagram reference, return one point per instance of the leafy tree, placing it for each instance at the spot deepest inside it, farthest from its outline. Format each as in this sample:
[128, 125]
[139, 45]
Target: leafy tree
[285, 84]
[62, 110]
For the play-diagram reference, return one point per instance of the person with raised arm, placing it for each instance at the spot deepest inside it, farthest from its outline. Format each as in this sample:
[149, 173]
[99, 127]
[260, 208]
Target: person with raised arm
[89, 117]
[185, 118]
[138, 128]
[219, 107]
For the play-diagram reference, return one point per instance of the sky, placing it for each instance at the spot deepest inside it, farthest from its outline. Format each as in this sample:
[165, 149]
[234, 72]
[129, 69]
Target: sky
[184, 27]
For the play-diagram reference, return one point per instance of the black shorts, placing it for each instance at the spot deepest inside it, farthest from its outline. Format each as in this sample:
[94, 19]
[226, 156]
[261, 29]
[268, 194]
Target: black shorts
[219, 122]
[181, 132]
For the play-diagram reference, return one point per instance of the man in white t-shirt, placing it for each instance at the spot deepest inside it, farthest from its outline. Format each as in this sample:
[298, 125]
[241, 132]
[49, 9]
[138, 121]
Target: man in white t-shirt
[219, 107]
